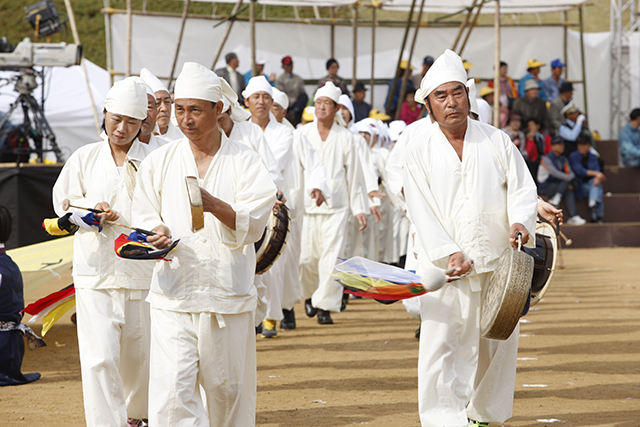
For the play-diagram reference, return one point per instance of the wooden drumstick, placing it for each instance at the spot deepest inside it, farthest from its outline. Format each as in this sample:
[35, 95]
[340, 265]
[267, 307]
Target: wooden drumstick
[66, 205]
[567, 241]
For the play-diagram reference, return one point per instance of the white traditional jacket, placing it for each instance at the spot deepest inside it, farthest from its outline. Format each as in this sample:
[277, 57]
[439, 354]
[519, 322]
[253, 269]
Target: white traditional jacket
[212, 269]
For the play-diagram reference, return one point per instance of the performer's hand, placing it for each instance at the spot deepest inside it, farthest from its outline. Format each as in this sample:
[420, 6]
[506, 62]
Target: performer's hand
[515, 229]
[459, 264]
[280, 199]
[109, 214]
[549, 212]
[377, 194]
[318, 196]
[362, 219]
[376, 213]
[162, 238]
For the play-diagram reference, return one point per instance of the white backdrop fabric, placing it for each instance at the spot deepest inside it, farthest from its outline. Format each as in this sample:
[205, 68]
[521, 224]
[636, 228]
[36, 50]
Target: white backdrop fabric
[67, 103]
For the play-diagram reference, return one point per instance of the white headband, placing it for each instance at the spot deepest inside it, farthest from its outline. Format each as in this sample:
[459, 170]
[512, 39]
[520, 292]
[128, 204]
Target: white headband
[257, 84]
[198, 82]
[471, 85]
[447, 68]
[230, 99]
[330, 91]
[127, 97]
[346, 101]
[152, 81]
[280, 98]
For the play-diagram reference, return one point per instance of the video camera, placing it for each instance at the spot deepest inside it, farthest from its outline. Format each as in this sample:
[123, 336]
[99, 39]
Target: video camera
[27, 55]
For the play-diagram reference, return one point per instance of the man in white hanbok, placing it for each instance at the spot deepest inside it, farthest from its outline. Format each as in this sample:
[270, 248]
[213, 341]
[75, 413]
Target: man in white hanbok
[149, 123]
[323, 229]
[468, 194]
[167, 130]
[203, 299]
[113, 316]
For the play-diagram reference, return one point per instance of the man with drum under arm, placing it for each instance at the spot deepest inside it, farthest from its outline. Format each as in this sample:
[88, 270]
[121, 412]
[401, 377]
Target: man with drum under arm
[468, 193]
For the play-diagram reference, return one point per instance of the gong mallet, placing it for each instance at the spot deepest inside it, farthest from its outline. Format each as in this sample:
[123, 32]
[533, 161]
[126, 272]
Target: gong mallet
[66, 205]
[567, 241]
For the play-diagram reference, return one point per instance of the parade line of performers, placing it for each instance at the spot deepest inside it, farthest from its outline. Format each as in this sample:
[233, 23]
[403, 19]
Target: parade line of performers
[172, 342]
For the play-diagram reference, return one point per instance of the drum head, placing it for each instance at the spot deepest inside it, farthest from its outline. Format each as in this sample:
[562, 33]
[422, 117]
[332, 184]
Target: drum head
[273, 240]
[544, 257]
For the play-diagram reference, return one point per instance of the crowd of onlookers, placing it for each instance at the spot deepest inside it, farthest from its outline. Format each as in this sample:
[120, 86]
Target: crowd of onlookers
[539, 115]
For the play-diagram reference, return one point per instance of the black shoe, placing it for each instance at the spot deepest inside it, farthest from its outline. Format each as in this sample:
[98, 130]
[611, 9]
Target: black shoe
[324, 317]
[309, 308]
[289, 321]
[594, 215]
[345, 301]
[259, 329]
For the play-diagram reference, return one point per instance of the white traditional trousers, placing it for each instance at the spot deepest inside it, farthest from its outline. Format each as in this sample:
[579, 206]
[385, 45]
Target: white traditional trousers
[274, 282]
[323, 242]
[113, 337]
[460, 374]
[291, 290]
[208, 351]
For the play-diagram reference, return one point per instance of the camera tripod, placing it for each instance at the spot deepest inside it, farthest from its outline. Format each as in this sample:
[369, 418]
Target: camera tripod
[37, 129]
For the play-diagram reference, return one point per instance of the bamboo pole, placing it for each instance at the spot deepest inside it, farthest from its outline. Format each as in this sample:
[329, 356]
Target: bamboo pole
[185, 11]
[332, 29]
[463, 25]
[354, 9]
[373, 51]
[471, 27]
[129, 19]
[395, 73]
[107, 38]
[496, 71]
[565, 23]
[405, 75]
[584, 68]
[226, 35]
[76, 40]
[252, 22]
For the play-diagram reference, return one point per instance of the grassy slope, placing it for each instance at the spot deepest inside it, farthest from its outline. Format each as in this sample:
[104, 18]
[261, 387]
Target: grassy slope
[91, 22]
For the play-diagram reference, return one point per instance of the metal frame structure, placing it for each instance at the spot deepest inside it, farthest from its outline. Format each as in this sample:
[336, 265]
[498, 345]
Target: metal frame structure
[624, 21]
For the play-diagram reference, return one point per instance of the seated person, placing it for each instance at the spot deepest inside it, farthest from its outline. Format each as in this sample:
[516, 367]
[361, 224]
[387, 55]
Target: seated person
[410, 111]
[532, 105]
[586, 165]
[557, 180]
[574, 126]
[629, 140]
[537, 144]
[513, 130]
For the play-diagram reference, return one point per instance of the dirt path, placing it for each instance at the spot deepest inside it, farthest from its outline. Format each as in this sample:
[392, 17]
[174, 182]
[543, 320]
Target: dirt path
[579, 361]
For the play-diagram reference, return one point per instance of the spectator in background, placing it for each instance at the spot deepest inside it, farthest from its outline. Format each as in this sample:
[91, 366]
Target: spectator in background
[629, 140]
[554, 82]
[533, 70]
[332, 76]
[260, 63]
[586, 165]
[360, 108]
[398, 79]
[427, 62]
[557, 180]
[574, 127]
[513, 130]
[531, 105]
[231, 75]
[487, 93]
[508, 93]
[556, 118]
[410, 111]
[292, 85]
[537, 145]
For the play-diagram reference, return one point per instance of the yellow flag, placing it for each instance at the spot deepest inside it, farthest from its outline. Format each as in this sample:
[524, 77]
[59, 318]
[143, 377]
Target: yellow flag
[54, 315]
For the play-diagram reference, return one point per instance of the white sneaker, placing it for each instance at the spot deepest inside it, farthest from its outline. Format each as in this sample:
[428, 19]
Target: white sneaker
[555, 200]
[576, 220]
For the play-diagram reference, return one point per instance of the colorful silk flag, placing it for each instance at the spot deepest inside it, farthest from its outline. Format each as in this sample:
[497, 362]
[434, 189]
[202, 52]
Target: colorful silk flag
[135, 246]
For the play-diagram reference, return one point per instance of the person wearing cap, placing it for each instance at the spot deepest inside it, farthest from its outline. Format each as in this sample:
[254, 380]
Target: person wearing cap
[293, 86]
[427, 62]
[531, 105]
[307, 185]
[533, 70]
[586, 165]
[323, 236]
[230, 73]
[556, 118]
[553, 83]
[113, 316]
[629, 140]
[203, 300]
[260, 63]
[573, 128]
[332, 76]
[468, 194]
[398, 82]
[165, 129]
[557, 180]
[361, 108]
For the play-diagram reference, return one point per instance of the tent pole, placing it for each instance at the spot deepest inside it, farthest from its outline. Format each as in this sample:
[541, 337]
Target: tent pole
[584, 69]
[473, 24]
[252, 22]
[76, 40]
[373, 50]
[226, 35]
[332, 29]
[395, 72]
[185, 12]
[463, 25]
[566, 27]
[107, 36]
[129, 18]
[354, 9]
[405, 76]
[496, 69]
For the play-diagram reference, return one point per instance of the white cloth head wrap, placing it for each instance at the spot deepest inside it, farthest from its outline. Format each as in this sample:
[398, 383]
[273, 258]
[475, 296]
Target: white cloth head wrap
[447, 68]
[198, 82]
[366, 127]
[280, 98]
[127, 97]
[146, 86]
[471, 86]
[396, 127]
[154, 83]
[346, 101]
[330, 91]
[230, 99]
[257, 84]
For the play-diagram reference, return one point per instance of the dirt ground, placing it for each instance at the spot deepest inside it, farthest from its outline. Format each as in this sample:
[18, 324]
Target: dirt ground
[578, 362]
